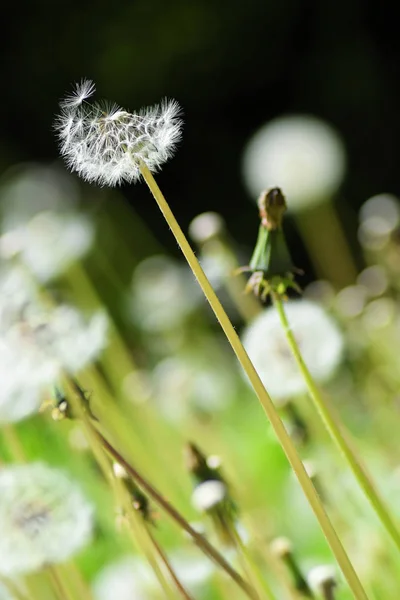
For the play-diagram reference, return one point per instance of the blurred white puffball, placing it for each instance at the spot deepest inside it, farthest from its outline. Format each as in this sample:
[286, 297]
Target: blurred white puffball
[320, 341]
[301, 154]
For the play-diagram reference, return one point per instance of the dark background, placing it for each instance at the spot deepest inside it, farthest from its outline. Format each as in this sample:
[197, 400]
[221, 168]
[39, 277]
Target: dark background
[232, 65]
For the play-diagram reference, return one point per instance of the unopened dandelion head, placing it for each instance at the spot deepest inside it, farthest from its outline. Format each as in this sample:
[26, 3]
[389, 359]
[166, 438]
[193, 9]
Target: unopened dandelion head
[106, 144]
[209, 494]
[320, 340]
[44, 518]
[301, 154]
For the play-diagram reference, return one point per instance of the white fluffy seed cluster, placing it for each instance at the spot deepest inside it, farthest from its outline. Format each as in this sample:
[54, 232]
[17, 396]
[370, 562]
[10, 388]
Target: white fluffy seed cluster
[44, 518]
[106, 144]
[319, 338]
[37, 344]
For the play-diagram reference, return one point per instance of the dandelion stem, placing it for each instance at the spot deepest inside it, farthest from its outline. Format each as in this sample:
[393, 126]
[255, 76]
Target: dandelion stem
[335, 433]
[168, 566]
[178, 518]
[264, 398]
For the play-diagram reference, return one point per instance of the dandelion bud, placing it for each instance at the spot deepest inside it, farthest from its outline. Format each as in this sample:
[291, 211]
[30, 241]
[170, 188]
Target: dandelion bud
[106, 144]
[282, 548]
[322, 580]
[209, 494]
[44, 518]
[140, 502]
[212, 496]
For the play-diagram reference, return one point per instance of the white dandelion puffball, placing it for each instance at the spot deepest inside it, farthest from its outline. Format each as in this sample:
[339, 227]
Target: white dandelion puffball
[38, 224]
[301, 154]
[184, 385]
[106, 144]
[44, 518]
[38, 343]
[164, 294]
[320, 341]
[49, 242]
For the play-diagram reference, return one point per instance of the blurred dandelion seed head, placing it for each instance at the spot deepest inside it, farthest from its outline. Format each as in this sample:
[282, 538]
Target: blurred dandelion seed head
[105, 144]
[186, 384]
[206, 226]
[164, 294]
[36, 343]
[320, 340]
[44, 518]
[41, 227]
[301, 154]
[379, 217]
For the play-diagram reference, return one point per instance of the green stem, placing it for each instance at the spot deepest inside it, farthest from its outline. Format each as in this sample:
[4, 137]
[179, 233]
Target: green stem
[335, 433]
[265, 400]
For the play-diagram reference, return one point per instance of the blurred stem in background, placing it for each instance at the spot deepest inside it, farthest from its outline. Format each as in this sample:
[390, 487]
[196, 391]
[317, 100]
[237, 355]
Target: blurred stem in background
[326, 243]
[266, 402]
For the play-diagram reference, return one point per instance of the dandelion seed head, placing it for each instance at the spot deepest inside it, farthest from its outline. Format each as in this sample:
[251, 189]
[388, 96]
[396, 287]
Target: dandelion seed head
[37, 343]
[164, 294]
[44, 518]
[106, 144]
[208, 494]
[39, 224]
[302, 155]
[320, 340]
[184, 385]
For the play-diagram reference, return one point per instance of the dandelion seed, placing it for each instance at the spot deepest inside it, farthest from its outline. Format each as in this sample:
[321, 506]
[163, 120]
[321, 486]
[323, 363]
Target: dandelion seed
[300, 154]
[44, 518]
[319, 338]
[106, 144]
[83, 90]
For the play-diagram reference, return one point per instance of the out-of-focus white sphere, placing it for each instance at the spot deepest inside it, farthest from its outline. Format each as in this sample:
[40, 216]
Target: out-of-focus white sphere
[301, 154]
[319, 338]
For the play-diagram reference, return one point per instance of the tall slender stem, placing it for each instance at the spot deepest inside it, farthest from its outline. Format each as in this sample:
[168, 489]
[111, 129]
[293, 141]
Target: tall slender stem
[335, 433]
[266, 402]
